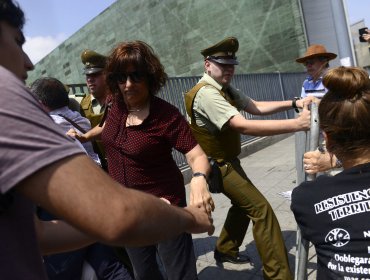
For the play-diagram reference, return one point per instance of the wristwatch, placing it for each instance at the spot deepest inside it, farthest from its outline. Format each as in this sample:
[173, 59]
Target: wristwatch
[294, 104]
[200, 174]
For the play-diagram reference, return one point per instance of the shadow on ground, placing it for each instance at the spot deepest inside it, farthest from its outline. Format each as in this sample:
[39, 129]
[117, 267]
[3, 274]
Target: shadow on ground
[204, 248]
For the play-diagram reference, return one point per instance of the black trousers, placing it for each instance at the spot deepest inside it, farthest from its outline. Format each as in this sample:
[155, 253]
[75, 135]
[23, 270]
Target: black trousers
[68, 266]
[177, 257]
[102, 258]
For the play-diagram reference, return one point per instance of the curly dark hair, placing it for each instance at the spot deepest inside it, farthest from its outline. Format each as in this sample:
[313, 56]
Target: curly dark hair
[140, 55]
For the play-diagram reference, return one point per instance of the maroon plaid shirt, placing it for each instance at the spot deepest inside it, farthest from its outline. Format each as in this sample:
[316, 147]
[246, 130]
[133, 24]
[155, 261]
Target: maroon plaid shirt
[140, 157]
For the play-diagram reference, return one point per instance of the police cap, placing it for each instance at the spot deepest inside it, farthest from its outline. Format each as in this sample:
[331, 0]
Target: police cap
[223, 52]
[94, 62]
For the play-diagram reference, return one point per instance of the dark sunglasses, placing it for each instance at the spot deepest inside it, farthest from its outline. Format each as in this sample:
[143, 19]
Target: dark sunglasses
[121, 78]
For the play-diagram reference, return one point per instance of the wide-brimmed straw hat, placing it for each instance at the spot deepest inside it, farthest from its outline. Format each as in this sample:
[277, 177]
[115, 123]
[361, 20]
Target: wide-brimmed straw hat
[316, 51]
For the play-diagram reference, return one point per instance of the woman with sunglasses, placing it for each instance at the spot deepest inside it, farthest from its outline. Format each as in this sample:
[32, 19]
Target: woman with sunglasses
[139, 134]
[333, 212]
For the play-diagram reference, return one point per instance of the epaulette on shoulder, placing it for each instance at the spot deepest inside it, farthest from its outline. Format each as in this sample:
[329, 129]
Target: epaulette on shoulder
[78, 96]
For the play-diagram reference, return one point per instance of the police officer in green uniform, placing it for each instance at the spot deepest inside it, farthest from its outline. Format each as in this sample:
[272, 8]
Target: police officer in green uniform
[92, 105]
[213, 106]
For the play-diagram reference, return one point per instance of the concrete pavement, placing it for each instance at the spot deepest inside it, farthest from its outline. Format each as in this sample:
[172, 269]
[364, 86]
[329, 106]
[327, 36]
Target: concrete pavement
[272, 170]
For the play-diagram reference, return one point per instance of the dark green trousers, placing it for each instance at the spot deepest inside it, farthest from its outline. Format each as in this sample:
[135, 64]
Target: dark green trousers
[249, 204]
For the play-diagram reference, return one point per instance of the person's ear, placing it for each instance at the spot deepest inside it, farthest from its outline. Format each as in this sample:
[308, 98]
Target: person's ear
[206, 65]
[325, 136]
[327, 139]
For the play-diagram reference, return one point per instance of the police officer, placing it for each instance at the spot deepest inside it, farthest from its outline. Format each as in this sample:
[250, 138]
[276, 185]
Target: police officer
[213, 106]
[93, 105]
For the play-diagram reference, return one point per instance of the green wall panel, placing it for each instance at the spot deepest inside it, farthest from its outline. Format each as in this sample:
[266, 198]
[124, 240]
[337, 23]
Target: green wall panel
[270, 35]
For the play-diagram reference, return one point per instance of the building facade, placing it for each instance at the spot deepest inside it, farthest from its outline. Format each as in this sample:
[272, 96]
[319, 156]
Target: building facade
[271, 33]
[362, 49]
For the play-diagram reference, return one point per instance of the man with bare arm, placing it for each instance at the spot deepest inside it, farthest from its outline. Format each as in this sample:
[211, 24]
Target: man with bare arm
[39, 166]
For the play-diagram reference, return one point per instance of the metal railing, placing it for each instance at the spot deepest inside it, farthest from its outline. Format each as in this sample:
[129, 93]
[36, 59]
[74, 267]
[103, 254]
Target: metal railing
[305, 141]
[266, 86]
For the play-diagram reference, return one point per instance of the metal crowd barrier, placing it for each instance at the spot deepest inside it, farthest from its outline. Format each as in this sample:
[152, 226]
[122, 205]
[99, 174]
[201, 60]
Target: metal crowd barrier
[305, 142]
[267, 86]
[258, 86]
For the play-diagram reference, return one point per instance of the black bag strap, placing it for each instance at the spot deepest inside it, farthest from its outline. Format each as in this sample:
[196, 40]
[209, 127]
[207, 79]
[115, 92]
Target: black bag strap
[103, 160]
[73, 123]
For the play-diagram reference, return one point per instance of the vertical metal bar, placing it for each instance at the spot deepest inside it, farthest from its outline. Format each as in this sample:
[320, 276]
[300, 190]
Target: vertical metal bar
[282, 92]
[301, 257]
[302, 244]
[314, 133]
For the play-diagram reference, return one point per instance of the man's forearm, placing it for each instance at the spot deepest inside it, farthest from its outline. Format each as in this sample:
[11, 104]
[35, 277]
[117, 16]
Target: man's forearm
[57, 236]
[93, 203]
[268, 107]
[264, 127]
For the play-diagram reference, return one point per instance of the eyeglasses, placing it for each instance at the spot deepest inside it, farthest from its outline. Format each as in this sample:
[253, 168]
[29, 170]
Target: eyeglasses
[121, 78]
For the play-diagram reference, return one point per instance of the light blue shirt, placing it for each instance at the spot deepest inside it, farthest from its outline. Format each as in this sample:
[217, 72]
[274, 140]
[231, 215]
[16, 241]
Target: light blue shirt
[57, 116]
[311, 88]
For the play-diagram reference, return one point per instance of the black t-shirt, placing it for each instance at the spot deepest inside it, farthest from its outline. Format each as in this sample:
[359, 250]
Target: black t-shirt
[334, 214]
